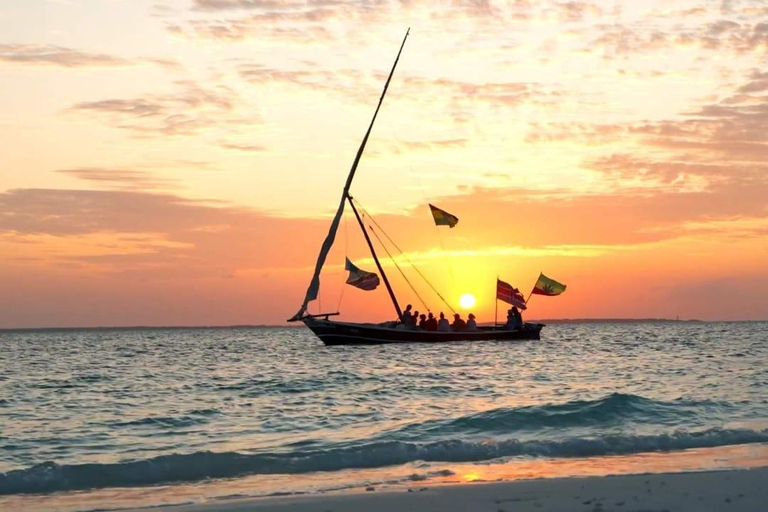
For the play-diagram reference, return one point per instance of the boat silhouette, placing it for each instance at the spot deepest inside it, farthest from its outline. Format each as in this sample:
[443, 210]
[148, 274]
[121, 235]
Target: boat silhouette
[333, 332]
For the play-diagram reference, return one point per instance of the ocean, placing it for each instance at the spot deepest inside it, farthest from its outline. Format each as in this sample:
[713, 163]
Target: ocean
[111, 418]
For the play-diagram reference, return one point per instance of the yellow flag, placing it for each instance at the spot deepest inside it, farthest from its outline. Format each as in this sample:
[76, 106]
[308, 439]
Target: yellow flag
[442, 217]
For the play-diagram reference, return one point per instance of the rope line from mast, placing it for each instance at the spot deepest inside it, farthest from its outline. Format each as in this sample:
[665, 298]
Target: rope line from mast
[397, 266]
[402, 253]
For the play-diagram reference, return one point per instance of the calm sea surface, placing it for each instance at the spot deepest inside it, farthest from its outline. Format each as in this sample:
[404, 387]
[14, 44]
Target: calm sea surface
[97, 409]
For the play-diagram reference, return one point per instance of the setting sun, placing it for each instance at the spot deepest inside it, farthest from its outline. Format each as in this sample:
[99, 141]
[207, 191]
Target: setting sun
[467, 301]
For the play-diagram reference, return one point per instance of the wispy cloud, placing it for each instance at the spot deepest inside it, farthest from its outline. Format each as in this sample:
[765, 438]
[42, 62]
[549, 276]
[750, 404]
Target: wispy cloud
[219, 5]
[495, 251]
[572, 11]
[304, 22]
[59, 56]
[621, 40]
[461, 97]
[187, 112]
[50, 55]
[193, 232]
[758, 82]
[436, 144]
[242, 147]
[120, 178]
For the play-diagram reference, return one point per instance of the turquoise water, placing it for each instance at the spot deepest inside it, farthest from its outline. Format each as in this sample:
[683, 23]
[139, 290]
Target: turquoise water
[91, 409]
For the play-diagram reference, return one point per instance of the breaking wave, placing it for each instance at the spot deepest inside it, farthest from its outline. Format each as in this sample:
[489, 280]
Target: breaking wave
[51, 477]
[614, 409]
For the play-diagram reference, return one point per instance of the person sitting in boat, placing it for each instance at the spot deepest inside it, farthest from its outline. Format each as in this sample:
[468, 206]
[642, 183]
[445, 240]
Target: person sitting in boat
[514, 319]
[414, 320]
[423, 322]
[443, 325]
[407, 318]
[431, 322]
[458, 323]
[471, 323]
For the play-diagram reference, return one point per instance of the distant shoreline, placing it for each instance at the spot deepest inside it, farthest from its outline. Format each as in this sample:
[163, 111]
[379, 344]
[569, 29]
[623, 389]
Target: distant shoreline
[296, 326]
[625, 320]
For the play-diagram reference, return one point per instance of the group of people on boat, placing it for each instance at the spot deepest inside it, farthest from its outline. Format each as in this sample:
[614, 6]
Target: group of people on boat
[413, 320]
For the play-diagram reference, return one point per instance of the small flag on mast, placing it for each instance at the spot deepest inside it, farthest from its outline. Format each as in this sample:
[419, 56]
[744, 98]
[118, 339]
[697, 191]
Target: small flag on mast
[360, 278]
[442, 217]
[509, 294]
[547, 286]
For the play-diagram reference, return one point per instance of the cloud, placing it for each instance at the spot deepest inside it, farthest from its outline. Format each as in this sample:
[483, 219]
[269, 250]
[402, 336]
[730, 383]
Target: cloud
[302, 26]
[436, 144]
[202, 236]
[624, 167]
[732, 129]
[142, 251]
[242, 147]
[211, 235]
[458, 98]
[722, 138]
[343, 81]
[223, 5]
[758, 82]
[163, 11]
[573, 11]
[120, 178]
[59, 56]
[187, 112]
[721, 35]
[304, 22]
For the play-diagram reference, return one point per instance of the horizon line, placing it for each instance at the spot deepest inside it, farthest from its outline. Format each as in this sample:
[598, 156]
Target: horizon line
[292, 326]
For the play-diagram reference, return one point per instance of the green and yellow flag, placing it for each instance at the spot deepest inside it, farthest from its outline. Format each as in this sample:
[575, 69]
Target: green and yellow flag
[442, 217]
[547, 286]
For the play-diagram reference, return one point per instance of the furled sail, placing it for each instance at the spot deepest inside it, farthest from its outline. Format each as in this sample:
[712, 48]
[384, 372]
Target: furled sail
[314, 284]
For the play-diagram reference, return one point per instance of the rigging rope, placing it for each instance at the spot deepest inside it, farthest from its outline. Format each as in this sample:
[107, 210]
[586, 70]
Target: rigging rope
[398, 267]
[404, 256]
[450, 257]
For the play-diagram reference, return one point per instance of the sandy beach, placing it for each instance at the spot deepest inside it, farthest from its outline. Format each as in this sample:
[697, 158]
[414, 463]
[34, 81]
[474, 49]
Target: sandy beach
[735, 490]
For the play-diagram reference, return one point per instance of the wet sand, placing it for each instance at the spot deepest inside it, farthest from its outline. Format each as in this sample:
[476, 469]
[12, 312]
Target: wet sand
[735, 490]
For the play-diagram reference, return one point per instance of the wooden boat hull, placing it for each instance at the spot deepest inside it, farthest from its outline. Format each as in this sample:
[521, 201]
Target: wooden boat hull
[346, 333]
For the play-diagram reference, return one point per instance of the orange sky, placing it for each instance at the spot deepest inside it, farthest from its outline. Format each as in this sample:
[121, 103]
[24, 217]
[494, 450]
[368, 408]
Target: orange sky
[177, 162]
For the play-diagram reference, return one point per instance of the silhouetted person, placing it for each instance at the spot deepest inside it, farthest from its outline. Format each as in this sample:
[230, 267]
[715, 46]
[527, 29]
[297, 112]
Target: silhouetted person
[414, 320]
[471, 323]
[443, 325]
[431, 322]
[458, 324]
[407, 318]
[423, 322]
[514, 319]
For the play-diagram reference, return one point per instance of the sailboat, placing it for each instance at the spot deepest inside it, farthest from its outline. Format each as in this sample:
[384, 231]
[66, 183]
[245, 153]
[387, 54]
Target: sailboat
[349, 333]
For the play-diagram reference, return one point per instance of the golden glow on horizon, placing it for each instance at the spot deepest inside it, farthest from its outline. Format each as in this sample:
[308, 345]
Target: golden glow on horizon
[471, 476]
[158, 179]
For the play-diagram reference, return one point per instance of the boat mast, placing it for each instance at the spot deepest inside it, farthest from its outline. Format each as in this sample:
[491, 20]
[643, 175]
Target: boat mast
[367, 133]
[314, 284]
[376, 259]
